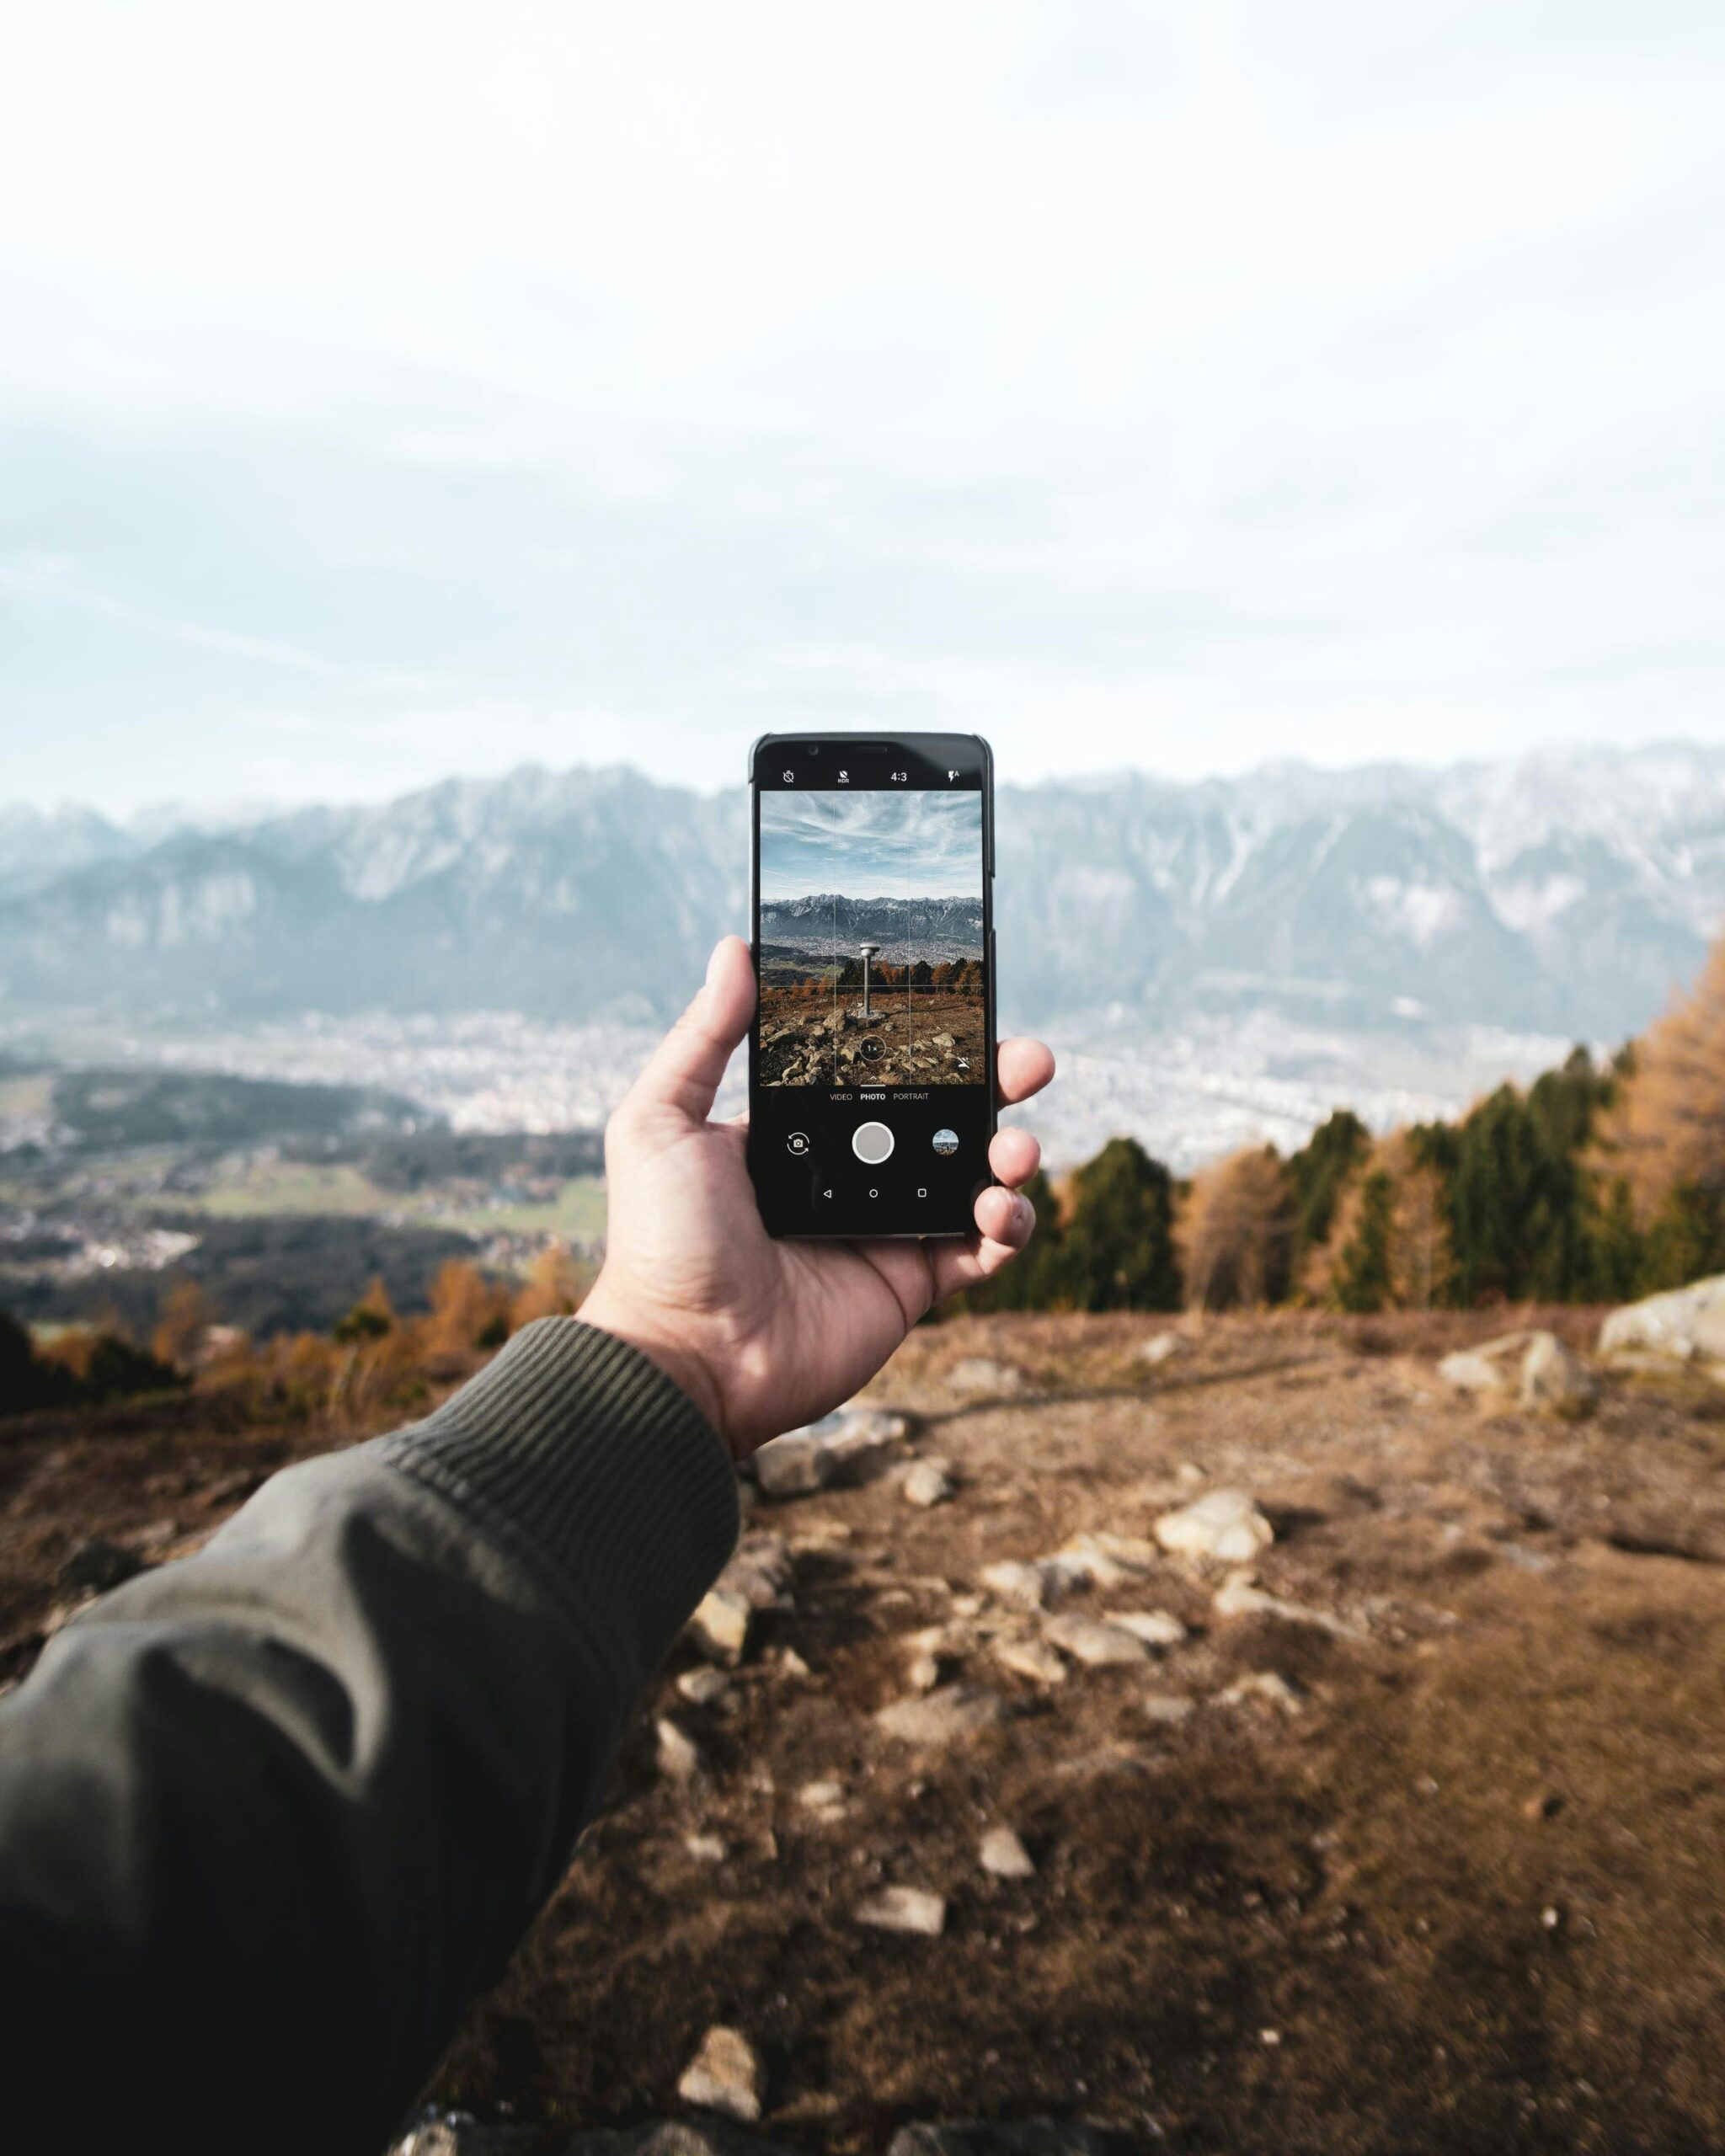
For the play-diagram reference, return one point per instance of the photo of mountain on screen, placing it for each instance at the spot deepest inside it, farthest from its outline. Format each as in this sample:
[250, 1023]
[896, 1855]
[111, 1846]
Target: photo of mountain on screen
[873, 964]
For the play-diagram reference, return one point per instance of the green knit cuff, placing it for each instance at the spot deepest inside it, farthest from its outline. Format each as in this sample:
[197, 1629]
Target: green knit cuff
[584, 1448]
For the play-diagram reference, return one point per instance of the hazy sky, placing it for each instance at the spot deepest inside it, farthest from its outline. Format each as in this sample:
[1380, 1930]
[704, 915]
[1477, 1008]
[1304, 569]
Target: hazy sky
[391, 390]
[871, 845]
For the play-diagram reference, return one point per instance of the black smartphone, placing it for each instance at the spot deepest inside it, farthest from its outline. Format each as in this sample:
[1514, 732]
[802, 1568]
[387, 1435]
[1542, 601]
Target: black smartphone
[870, 1061]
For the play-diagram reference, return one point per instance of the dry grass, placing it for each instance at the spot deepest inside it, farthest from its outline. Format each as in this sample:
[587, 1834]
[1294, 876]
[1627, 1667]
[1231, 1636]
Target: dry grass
[1470, 1889]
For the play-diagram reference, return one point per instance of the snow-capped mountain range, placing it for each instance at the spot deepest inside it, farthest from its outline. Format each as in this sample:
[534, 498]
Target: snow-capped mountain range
[1564, 893]
[937, 929]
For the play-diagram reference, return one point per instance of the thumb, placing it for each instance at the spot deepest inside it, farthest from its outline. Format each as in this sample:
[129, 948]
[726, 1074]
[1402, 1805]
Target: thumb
[683, 1072]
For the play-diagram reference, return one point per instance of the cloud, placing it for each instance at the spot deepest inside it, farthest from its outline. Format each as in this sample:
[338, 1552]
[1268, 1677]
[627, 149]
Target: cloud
[1178, 388]
[879, 844]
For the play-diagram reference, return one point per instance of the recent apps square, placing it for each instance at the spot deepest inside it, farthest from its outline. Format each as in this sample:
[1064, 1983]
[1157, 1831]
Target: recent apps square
[872, 953]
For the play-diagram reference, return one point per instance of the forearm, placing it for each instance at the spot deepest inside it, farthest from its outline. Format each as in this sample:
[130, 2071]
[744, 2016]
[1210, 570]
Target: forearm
[269, 1817]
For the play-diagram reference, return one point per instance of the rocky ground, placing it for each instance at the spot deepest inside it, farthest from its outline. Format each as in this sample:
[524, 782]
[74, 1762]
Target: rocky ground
[1259, 1742]
[921, 1039]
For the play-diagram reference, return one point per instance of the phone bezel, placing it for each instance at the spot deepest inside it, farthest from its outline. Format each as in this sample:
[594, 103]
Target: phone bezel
[926, 746]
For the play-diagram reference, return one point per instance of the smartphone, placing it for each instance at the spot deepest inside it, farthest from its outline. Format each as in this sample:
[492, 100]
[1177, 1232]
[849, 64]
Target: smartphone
[871, 1059]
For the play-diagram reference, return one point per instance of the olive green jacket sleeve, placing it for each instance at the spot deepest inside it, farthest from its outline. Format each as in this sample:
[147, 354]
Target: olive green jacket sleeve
[271, 1816]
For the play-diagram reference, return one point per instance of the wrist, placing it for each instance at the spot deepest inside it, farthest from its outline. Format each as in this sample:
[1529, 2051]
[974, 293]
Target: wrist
[624, 1319]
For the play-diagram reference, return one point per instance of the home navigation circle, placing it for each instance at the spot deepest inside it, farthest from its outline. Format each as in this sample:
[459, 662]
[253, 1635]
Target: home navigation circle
[872, 1142]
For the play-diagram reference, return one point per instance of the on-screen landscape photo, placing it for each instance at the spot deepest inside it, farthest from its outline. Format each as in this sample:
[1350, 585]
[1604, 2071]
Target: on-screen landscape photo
[872, 954]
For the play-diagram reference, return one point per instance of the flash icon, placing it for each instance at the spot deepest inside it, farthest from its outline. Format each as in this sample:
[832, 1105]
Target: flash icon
[952, 774]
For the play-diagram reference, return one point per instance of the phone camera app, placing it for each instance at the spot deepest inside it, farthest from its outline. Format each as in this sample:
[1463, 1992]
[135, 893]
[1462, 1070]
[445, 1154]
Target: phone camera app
[872, 954]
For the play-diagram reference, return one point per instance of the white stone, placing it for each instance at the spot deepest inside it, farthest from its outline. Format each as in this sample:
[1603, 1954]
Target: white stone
[1534, 1365]
[1169, 1709]
[706, 1848]
[1240, 1596]
[1005, 1855]
[822, 1796]
[702, 1687]
[719, 1627]
[928, 1483]
[1683, 1325]
[1097, 1646]
[1162, 1347]
[948, 1716]
[1082, 1564]
[1263, 1688]
[1225, 1524]
[1156, 1628]
[679, 1756]
[979, 1373]
[1028, 1585]
[1033, 1658]
[724, 2075]
[1554, 1378]
[794, 1466]
[839, 1449]
[1131, 1551]
[905, 1908]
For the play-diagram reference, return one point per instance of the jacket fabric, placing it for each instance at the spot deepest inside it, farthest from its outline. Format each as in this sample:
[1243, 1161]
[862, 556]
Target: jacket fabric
[271, 1816]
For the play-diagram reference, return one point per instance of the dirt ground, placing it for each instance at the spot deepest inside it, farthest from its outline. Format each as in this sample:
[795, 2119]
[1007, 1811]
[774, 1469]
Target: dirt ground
[919, 1036]
[1456, 1888]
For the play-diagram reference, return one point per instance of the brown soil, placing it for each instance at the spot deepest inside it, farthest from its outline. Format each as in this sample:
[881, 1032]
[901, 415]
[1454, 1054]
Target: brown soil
[1466, 1898]
[918, 1037]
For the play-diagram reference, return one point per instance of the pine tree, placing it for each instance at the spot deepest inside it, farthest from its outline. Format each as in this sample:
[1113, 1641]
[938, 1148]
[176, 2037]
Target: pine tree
[1119, 1250]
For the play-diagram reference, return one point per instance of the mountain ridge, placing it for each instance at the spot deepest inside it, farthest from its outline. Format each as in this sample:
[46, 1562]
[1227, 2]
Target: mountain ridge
[1567, 891]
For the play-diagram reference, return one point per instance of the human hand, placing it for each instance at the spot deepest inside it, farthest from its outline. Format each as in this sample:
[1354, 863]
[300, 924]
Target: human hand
[762, 1335]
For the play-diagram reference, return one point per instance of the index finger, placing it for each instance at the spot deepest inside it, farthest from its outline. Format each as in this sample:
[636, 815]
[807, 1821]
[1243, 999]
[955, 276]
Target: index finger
[1023, 1066]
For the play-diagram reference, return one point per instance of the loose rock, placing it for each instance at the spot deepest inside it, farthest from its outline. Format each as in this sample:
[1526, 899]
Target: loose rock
[724, 2075]
[1683, 1325]
[1534, 1365]
[1555, 1379]
[703, 1688]
[1240, 1597]
[1028, 1585]
[1263, 1688]
[1162, 1347]
[679, 1755]
[1098, 1646]
[905, 1908]
[948, 1716]
[1225, 1524]
[928, 1483]
[1005, 1855]
[839, 1448]
[980, 1374]
[1156, 1628]
[1170, 1709]
[719, 1627]
[1033, 1658]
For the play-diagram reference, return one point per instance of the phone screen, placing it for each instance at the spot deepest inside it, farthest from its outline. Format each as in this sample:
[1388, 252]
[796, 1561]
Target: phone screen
[871, 1099]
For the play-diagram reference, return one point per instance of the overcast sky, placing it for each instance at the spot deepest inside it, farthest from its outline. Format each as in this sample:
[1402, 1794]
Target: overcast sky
[871, 845]
[393, 390]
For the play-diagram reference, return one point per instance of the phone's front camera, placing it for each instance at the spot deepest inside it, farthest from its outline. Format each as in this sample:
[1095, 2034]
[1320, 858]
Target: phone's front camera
[813, 751]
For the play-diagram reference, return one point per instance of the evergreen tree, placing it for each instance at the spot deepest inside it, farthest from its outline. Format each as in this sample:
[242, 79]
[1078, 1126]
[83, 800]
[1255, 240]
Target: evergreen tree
[1363, 1279]
[1118, 1245]
[1319, 1171]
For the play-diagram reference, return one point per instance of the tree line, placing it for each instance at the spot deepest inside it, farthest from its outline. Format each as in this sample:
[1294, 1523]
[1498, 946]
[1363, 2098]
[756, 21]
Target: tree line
[1596, 1184]
[957, 976]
